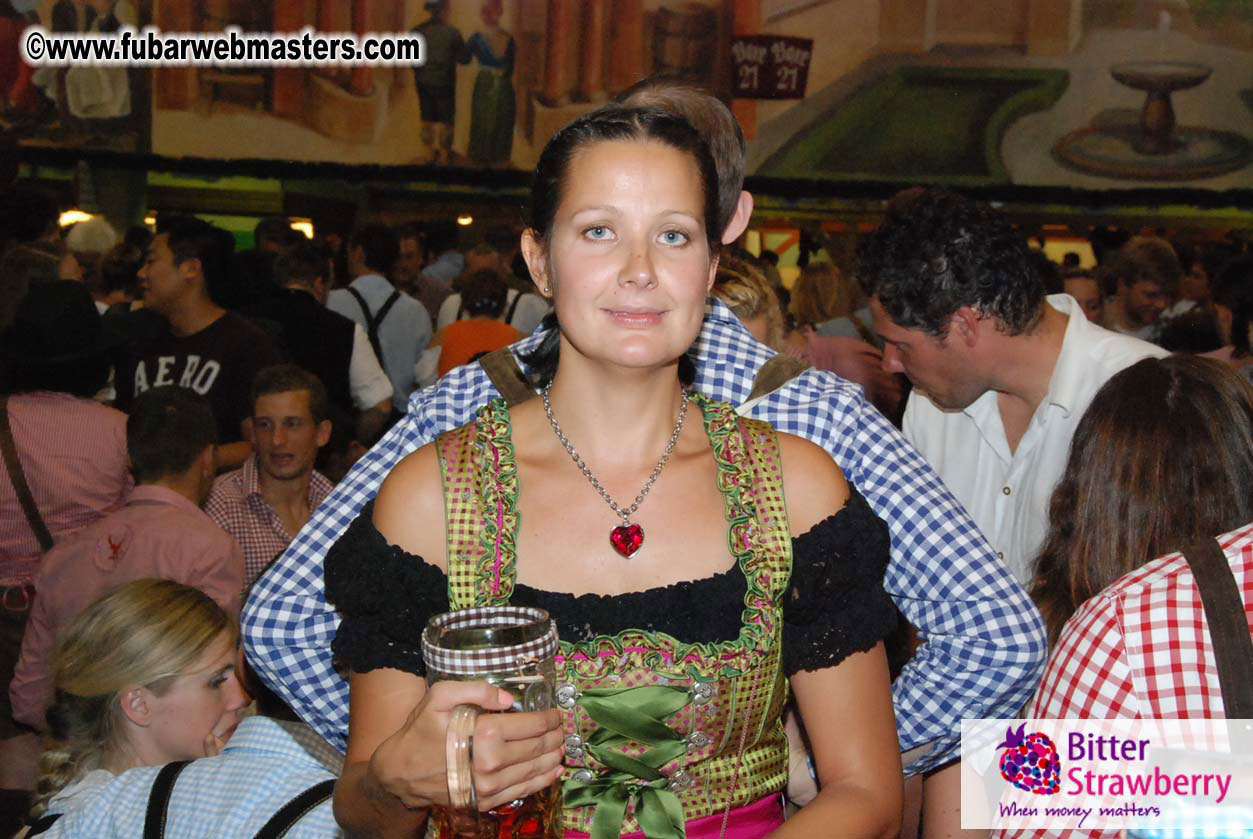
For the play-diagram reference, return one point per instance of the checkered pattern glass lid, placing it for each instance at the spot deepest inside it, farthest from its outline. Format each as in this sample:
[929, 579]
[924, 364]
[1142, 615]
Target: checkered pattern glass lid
[488, 639]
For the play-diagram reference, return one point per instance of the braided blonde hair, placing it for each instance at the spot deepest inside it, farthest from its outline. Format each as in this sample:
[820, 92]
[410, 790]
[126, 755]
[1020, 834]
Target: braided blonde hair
[145, 632]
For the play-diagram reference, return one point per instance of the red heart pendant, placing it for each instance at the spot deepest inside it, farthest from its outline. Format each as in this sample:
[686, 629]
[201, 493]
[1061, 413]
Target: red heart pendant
[626, 539]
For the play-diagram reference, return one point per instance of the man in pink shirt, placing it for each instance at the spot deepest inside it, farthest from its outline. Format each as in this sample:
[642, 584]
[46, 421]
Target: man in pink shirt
[161, 532]
[266, 502]
[66, 452]
[72, 449]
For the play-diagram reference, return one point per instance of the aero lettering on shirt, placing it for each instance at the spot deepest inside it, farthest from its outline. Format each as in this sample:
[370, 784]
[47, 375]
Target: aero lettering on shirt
[195, 376]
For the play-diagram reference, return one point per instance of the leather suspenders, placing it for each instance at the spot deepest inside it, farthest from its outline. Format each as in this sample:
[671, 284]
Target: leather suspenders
[374, 321]
[159, 799]
[163, 787]
[1228, 627]
[513, 385]
[507, 376]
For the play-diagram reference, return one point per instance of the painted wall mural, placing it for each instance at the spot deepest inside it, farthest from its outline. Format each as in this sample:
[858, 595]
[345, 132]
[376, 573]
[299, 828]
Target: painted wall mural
[1060, 93]
[87, 107]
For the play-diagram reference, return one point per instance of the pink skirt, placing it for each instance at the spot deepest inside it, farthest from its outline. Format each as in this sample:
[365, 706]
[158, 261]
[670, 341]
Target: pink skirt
[751, 821]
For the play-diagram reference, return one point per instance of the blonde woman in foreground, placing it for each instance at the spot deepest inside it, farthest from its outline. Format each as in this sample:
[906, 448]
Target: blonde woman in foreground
[145, 675]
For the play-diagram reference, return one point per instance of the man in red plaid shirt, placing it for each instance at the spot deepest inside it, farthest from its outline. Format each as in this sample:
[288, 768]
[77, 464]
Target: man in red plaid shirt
[1141, 649]
[264, 503]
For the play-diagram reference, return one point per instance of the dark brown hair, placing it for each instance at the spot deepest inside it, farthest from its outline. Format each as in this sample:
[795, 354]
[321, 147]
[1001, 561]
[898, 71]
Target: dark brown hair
[709, 116]
[484, 293]
[614, 122]
[302, 265]
[611, 122]
[1151, 260]
[284, 378]
[937, 251]
[168, 428]
[1162, 457]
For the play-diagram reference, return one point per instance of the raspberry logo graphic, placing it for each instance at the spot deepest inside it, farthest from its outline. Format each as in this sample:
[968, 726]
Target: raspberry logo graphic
[1030, 763]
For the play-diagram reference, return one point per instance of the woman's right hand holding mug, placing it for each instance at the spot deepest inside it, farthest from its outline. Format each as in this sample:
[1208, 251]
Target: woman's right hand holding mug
[514, 754]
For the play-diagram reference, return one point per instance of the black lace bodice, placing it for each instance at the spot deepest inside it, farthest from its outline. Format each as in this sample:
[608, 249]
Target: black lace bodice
[835, 604]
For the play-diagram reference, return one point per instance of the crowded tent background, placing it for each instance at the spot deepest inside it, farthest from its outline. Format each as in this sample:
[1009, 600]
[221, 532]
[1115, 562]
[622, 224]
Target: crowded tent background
[953, 471]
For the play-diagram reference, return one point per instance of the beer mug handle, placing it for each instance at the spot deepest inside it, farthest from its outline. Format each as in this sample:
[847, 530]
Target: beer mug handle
[463, 811]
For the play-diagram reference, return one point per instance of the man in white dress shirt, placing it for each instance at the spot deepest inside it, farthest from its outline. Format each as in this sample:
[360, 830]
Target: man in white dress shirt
[1001, 372]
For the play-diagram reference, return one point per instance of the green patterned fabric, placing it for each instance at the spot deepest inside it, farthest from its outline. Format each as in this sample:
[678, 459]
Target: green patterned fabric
[670, 731]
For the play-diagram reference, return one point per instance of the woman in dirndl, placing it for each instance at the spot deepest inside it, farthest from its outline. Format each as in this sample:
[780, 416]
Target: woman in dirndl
[746, 569]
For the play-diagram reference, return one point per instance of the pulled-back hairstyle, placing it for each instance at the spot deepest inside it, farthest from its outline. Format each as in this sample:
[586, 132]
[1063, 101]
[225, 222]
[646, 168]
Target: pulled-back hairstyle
[1162, 457]
[146, 632]
[709, 116]
[484, 293]
[614, 122]
[748, 293]
[937, 251]
[611, 122]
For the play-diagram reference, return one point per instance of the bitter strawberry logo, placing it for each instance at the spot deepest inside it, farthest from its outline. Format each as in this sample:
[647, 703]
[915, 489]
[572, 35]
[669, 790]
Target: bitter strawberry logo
[1030, 762]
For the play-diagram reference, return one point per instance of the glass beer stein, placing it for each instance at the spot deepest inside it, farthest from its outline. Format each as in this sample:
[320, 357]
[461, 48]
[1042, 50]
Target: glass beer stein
[513, 648]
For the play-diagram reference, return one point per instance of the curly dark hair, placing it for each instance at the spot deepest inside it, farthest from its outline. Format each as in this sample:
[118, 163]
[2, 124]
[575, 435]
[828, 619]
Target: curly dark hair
[1162, 457]
[939, 251]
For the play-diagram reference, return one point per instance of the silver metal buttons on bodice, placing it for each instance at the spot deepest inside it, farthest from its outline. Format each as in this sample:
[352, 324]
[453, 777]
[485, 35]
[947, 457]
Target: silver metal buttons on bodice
[681, 780]
[567, 695]
[697, 740]
[702, 692]
[574, 747]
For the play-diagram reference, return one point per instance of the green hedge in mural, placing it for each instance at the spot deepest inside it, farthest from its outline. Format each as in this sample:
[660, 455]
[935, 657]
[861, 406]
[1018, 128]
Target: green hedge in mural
[940, 124]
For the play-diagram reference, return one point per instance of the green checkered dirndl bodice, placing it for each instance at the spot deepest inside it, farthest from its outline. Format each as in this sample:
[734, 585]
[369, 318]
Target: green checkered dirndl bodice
[659, 732]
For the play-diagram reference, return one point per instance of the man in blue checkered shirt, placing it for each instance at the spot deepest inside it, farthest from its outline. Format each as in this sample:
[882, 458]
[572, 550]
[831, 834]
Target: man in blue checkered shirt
[983, 639]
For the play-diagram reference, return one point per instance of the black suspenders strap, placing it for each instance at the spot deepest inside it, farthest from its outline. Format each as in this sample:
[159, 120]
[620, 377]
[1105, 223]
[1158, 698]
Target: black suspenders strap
[513, 308]
[43, 824]
[1228, 628]
[159, 799]
[365, 309]
[385, 308]
[296, 809]
[374, 321]
[163, 787]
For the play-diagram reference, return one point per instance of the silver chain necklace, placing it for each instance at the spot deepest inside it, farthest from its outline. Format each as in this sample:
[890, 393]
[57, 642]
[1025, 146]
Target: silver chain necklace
[627, 538]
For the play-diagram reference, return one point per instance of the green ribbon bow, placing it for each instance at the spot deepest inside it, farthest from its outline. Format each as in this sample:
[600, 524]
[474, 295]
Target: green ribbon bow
[632, 715]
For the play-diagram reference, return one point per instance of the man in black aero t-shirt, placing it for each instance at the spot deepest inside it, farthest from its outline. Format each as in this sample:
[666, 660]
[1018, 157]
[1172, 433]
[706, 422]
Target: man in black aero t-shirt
[199, 345]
